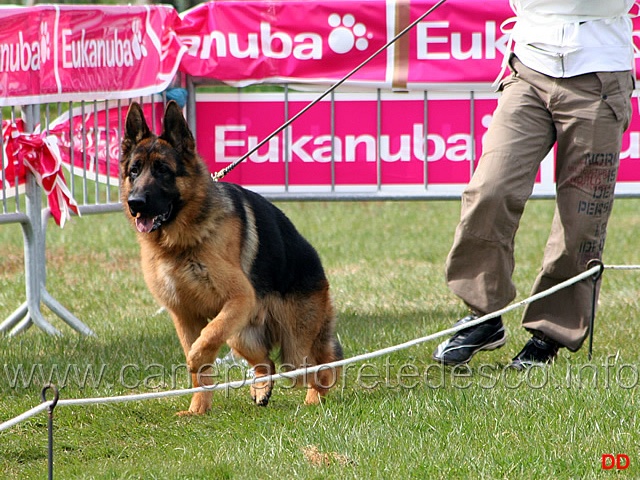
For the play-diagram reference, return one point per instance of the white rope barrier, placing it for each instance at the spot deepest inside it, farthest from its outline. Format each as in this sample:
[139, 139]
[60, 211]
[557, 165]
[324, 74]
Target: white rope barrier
[622, 267]
[309, 370]
[24, 416]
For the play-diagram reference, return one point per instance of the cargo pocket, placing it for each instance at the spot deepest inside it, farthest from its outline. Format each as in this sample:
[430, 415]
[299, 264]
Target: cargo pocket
[616, 91]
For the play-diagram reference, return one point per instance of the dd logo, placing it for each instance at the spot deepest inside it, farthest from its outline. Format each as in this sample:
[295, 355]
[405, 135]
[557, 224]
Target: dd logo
[619, 462]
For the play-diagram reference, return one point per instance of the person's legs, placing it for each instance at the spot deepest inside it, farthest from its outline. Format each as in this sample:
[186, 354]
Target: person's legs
[481, 261]
[521, 133]
[591, 113]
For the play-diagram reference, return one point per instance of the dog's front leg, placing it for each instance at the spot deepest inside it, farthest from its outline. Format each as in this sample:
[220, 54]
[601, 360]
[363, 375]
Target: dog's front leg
[232, 318]
[188, 331]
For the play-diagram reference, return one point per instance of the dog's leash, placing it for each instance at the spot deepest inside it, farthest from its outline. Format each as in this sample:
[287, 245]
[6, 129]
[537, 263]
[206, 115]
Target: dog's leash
[220, 174]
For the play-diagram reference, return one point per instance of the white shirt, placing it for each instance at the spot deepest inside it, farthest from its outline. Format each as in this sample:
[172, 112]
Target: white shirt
[564, 38]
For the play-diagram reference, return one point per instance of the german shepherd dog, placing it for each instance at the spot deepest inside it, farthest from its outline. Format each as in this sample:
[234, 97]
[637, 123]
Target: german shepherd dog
[226, 264]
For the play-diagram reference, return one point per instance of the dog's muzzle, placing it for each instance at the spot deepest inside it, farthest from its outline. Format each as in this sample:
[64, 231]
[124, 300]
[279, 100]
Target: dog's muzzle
[146, 223]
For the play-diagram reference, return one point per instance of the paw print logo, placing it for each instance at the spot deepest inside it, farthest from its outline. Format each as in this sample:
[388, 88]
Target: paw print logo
[139, 50]
[347, 34]
[45, 43]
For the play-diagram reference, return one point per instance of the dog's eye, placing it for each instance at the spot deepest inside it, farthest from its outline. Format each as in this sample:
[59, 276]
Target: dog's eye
[161, 169]
[134, 170]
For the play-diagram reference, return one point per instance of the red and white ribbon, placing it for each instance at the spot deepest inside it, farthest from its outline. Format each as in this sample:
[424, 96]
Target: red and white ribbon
[40, 154]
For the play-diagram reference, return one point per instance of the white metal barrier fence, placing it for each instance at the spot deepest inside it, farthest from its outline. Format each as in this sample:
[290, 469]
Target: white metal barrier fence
[84, 130]
[91, 136]
[22, 202]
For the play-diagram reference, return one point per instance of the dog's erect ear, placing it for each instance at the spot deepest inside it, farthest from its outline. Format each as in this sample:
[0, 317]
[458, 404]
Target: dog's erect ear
[135, 130]
[175, 129]
[136, 126]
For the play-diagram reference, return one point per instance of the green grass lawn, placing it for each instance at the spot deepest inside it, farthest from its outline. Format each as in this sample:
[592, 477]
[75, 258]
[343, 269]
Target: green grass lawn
[397, 416]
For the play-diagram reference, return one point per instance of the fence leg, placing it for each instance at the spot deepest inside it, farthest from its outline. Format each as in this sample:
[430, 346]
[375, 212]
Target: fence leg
[23, 325]
[65, 314]
[55, 306]
[33, 229]
[14, 318]
[31, 232]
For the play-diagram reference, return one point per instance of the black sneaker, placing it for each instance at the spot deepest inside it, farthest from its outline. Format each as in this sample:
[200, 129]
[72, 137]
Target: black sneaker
[535, 352]
[464, 344]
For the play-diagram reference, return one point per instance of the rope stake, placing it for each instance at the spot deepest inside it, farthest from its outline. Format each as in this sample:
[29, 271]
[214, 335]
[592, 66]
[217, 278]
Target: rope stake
[52, 405]
[594, 294]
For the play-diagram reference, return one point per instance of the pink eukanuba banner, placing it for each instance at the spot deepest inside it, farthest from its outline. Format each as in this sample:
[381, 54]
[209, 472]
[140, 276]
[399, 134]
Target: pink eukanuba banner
[319, 42]
[352, 150]
[67, 53]
[58, 53]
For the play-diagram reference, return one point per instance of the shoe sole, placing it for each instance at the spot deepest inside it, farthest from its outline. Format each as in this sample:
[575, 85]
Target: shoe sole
[522, 366]
[488, 347]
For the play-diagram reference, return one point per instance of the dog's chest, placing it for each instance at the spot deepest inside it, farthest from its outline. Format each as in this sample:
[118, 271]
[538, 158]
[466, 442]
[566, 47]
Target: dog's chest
[184, 281]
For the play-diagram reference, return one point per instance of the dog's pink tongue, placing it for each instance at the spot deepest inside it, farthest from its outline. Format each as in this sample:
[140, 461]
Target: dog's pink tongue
[144, 225]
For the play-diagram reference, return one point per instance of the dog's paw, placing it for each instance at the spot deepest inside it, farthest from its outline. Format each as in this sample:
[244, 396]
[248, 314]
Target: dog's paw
[200, 405]
[192, 413]
[261, 393]
[187, 413]
[314, 397]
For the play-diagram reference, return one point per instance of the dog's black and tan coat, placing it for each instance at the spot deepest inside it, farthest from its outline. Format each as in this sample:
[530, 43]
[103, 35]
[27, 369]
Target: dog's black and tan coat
[228, 265]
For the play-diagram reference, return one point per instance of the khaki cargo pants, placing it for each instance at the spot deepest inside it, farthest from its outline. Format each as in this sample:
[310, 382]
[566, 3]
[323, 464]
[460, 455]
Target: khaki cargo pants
[585, 117]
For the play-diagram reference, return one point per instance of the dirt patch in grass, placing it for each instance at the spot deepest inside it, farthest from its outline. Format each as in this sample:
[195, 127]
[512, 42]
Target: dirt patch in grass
[315, 457]
[12, 262]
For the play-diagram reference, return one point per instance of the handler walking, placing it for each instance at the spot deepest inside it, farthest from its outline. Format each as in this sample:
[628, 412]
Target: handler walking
[570, 86]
